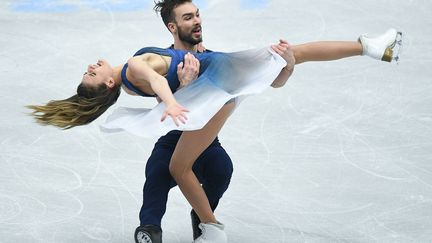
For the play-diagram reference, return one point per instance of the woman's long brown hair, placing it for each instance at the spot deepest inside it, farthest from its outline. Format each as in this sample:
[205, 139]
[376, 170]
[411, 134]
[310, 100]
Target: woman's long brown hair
[84, 107]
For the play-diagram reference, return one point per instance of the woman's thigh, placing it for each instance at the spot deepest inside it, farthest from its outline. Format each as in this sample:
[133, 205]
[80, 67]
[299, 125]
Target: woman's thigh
[193, 143]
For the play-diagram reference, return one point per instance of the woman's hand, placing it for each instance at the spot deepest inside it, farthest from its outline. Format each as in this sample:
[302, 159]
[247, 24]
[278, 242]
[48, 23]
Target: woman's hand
[176, 112]
[285, 51]
[188, 70]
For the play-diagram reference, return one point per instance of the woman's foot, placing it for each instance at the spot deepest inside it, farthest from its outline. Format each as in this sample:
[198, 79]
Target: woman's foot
[212, 233]
[385, 47]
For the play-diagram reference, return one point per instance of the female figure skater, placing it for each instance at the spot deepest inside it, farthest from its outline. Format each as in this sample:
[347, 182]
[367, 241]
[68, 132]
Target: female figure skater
[152, 72]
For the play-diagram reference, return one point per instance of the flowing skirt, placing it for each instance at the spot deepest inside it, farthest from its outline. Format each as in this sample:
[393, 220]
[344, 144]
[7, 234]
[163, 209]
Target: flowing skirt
[228, 76]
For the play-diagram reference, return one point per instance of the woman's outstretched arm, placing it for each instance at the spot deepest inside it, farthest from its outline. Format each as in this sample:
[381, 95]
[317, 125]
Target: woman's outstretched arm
[140, 70]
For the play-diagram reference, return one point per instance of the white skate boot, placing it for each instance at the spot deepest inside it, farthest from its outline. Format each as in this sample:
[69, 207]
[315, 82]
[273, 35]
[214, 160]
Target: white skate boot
[212, 233]
[385, 47]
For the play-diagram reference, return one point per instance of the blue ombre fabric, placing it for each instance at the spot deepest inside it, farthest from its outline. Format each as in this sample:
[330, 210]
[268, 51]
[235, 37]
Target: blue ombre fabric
[222, 77]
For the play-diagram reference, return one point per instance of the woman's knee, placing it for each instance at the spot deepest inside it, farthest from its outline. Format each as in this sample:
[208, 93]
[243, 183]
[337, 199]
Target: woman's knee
[178, 170]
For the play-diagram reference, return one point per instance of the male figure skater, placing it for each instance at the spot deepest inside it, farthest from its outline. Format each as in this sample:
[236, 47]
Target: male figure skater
[213, 168]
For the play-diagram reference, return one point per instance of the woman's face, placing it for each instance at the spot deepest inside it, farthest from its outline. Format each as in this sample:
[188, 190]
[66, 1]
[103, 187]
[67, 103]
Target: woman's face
[98, 73]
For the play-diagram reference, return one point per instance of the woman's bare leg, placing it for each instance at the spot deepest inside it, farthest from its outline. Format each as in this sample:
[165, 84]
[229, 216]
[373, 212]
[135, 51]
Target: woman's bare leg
[326, 50]
[190, 145]
[385, 47]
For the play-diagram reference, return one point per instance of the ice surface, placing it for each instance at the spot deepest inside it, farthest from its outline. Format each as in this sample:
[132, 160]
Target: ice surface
[342, 153]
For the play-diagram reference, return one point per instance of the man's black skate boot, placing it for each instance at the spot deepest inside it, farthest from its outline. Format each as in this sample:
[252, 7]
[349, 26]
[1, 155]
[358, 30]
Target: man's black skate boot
[195, 222]
[148, 234]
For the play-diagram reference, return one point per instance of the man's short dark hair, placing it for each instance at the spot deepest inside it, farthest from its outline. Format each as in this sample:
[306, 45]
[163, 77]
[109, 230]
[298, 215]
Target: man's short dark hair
[166, 9]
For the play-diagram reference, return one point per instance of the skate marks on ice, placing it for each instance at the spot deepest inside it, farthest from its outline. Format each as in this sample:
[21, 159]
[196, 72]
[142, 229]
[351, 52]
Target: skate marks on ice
[348, 162]
[52, 191]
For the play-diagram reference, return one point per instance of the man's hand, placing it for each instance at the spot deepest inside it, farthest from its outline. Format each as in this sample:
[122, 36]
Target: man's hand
[188, 70]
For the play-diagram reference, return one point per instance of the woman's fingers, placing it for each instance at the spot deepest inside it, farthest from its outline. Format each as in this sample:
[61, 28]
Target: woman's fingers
[184, 116]
[174, 119]
[275, 49]
[164, 116]
[184, 109]
[278, 49]
[182, 119]
[283, 41]
[177, 113]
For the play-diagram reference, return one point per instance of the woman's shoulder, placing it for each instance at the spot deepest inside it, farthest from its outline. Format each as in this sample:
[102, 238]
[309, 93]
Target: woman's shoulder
[160, 51]
[152, 49]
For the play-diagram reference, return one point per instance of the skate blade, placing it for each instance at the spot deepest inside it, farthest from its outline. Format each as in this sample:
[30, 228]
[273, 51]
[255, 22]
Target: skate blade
[394, 50]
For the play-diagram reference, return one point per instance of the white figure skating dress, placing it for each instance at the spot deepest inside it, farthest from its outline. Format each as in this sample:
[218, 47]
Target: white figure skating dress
[222, 77]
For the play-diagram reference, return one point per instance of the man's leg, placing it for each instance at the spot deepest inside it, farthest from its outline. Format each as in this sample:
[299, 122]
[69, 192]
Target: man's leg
[155, 193]
[157, 185]
[218, 172]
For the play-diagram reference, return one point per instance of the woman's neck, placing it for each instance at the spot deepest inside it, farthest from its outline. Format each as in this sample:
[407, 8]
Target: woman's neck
[117, 74]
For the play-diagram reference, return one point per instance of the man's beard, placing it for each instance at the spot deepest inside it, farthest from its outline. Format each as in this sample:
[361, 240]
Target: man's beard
[187, 37]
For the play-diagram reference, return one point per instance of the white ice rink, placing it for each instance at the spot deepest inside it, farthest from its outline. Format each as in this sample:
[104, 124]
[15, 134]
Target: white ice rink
[342, 153]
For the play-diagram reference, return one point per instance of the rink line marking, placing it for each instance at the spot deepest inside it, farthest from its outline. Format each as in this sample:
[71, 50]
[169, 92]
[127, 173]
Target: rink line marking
[373, 173]
[14, 204]
[121, 183]
[122, 215]
[346, 211]
[45, 210]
